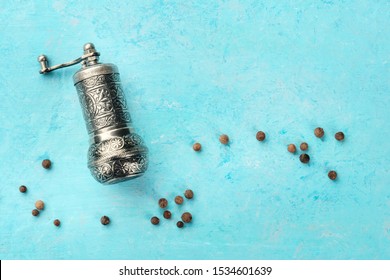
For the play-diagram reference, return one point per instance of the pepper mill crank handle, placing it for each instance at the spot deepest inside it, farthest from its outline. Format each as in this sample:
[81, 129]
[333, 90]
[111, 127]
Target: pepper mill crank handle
[43, 61]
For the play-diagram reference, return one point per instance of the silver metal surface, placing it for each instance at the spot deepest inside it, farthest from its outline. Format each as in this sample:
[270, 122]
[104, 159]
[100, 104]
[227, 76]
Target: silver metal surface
[116, 153]
[42, 59]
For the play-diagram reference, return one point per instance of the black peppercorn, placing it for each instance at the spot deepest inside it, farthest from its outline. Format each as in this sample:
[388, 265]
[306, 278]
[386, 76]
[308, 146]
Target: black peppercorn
[167, 214]
[163, 202]
[155, 220]
[197, 147]
[224, 139]
[46, 163]
[179, 199]
[22, 189]
[57, 222]
[304, 146]
[291, 148]
[260, 135]
[332, 175]
[304, 158]
[105, 220]
[180, 224]
[186, 217]
[339, 136]
[35, 212]
[189, 194]
[319, 132]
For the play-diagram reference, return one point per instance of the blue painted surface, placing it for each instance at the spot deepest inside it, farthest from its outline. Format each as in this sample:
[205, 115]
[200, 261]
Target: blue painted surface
[191, 71]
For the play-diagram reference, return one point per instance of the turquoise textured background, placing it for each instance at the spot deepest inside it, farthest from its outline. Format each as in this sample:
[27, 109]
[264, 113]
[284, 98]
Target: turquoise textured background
[192, 70]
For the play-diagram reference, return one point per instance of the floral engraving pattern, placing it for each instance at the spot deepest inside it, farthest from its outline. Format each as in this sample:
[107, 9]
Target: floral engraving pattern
[108, 148]
[118, 157]
[104, 106]
[120, 168]
[103, 101]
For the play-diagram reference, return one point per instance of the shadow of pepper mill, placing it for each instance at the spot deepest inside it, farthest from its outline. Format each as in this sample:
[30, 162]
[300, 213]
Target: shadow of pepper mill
[116, 153]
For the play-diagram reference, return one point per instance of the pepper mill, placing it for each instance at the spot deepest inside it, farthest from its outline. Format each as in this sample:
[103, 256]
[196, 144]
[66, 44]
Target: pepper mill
[116, 153]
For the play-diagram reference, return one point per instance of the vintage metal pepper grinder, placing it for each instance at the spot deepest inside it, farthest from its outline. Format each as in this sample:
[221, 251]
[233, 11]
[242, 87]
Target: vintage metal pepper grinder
[116, 153]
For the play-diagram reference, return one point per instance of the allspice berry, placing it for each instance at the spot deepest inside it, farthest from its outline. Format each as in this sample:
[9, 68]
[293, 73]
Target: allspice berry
[332, 175]
[319, 132]
[186, 217]
[167, 214]
[304, 158]
[39, 204]
[57, 222]
[197, 147]
[22, 189]
[155, 220]
[339, 136]
[260, 136]
[105, 220]
[189, 194]
[180, 224]
[304, 146]
[179, 199]
[163, 202]
[46, 163]
[224, 139]
[291, 148]
[35, 212]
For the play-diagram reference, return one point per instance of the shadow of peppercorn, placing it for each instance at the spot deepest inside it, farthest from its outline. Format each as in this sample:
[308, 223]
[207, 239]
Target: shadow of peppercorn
[190, 224]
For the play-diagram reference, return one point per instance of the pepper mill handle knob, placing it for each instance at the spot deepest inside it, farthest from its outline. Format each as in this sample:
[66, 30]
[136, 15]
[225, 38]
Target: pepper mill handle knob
[42, 59]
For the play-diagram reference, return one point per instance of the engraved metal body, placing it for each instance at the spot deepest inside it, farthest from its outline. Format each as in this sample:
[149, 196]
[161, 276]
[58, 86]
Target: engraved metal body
[116, 153]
